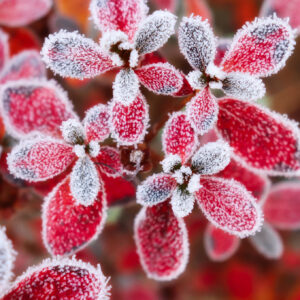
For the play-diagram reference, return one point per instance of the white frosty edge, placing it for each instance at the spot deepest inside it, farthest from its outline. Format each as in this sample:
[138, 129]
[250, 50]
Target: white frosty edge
[260, 216]
[249, 26]
[140, 216]
[43, 83]
[45, 205]
[4, 40]
[57, 261]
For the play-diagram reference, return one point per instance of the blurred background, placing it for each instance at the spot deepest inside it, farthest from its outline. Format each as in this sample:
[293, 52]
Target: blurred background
[245, 276]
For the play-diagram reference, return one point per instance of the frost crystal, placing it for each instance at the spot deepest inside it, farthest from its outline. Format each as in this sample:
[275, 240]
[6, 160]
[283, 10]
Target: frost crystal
[84, 181]
[182, 203]
[196, 80]
[61, 278]
[170, 162]
[267, 242]
[243, 87]
[125, 87]
[211, 158]
[194, 184]
[94, 148]
[154, 32]
[72, 132]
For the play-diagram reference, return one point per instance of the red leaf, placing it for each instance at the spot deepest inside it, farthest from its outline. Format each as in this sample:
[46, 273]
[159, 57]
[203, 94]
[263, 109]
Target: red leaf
[60, 279]
[40, 159]
[219, 245]
[229, 206]
[17, 13]
[166, 4]
[162, 243]
[29, 106]
[202, 110]
[25, 65]
[160, 78]
[265, 140]
[260, 48]
[152, 58]
[282, 206]
[129, 122]
[198, 8]
[124, 15]
[254, 182]
[179, 136]
[68, 226]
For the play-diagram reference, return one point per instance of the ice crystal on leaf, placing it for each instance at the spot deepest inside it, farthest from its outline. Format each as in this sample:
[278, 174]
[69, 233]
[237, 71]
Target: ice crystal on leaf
[60, 279]
[72, 131]
[127, 35]
[162, 242]
[18, 13]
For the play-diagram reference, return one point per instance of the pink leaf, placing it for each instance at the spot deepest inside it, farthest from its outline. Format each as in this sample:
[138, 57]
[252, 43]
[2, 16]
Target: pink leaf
[17, 13]
[161, 241]
[283, 9]
[152, 58]
[34, 105]
[25, 65]
[129, 122]
[155, 189]
[39, 159]
[96, 123]
[179, 136]
[229, 206]
[124, 15]
[260, 48]
[202, 110]
[265, 140]
[160, 78]
[282, 206]
[69, 226]
[197, 42]
[219, 245]
[109, 161]
[60, 279]
[166, 4]
[223, 45]
[254, 182]
[72, 55]
[4, 49]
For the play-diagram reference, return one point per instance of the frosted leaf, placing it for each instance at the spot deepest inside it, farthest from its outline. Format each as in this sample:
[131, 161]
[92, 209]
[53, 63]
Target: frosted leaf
[194, 184]
[72, 131]
[267, 242]
[125, 87]
[196, 80]
[229, 206]
[183, 173]
[179, 136]
[154, 32]
[155, 189]
[260, 48]
[34, 105]
[160, 78]
[79, 150]
[19, 13]
[7, 259]
[25, 65]
[243, 87]
[197, 42]
[84, 182]
[283, 9]
[60, 278]
[123, 15]
[96, 123]
[72, 55]
[255, 182]
[170, 162]
[94, 148]
[223, 45]
[214, 71]
[282, 206]
[219, 245]
[202, 111]
[211, 158]
[129, 123]
[68, 226]
[4, 49]
[182, 203]
[39, 159]
[109, 161]
[162, 242]
[265, 140]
